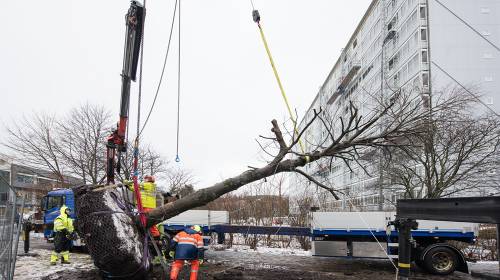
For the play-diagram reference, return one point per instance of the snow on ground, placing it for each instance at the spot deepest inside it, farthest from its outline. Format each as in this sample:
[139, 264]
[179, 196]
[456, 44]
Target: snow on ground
[38, 265]
[265, 250]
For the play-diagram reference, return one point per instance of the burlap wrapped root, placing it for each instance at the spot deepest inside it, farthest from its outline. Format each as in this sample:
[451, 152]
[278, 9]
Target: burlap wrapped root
[108, 228]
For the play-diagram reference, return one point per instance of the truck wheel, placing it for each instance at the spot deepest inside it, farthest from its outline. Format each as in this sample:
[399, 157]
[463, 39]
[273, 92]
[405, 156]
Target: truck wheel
[441, 261]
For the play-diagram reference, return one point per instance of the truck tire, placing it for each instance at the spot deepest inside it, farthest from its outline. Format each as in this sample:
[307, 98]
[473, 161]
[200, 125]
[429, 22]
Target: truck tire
[440, 261]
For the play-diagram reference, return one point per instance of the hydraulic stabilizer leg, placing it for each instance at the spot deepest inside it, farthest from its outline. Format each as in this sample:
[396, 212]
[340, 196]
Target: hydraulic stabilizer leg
[404, 227]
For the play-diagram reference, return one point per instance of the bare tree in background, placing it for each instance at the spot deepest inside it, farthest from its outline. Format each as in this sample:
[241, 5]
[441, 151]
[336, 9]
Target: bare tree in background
[34, 142]
[179, 181]
[82, 136]
[458, 153]
[74, 145]
[150, 162]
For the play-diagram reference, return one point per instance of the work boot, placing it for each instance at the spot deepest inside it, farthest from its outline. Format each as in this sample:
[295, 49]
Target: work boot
[53, 258]
[65, 257]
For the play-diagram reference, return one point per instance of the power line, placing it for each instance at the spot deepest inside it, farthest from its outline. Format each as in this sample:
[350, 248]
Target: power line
[467, 90]
[468, 25]
[177, 159]
[162, 70]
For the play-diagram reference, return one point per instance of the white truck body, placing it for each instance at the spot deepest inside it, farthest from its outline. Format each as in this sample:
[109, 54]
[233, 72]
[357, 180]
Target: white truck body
[377, 221]
[199, 217]
[340, 226]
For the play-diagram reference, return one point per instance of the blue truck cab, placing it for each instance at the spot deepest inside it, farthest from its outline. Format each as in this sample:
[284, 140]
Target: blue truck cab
[51, 206]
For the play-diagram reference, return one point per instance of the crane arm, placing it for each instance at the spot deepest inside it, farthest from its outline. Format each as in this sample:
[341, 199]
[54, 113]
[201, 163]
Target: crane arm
[116, 144]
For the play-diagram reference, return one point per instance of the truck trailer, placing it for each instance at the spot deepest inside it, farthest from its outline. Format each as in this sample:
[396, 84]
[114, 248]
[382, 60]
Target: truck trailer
[355, 234]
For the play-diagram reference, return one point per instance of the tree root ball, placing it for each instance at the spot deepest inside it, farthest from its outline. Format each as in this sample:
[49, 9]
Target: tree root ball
[113, 239]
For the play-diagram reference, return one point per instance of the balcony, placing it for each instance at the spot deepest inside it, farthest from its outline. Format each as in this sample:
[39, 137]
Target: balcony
[353, 67]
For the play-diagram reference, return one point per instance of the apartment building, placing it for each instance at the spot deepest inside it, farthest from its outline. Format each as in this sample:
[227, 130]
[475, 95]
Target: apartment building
[420, 46]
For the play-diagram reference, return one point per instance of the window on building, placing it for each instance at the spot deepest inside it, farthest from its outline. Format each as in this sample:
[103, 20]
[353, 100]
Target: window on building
[485, 10]
[487, 56]
[24, 179]
[425, 56]
[423, 12]
[354, 44]
[489, 100]
[423, 34]
[425, 79]
[4, 196]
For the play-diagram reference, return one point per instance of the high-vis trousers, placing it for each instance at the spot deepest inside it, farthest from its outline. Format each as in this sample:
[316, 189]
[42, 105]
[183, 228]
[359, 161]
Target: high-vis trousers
[177, 266]
[56, 256]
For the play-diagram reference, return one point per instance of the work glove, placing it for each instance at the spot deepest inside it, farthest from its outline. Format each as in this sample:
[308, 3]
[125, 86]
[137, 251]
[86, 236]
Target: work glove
[201, 261]
[73, 236]
[127, 182]
[171, 254]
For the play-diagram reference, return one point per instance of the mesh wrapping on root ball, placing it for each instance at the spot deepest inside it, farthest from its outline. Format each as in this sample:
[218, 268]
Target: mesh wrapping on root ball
[113, 240]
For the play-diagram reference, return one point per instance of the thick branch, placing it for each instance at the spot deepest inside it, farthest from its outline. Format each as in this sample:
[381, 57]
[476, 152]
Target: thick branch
[321, 185]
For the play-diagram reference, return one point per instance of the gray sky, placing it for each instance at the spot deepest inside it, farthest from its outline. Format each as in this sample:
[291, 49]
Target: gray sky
[58, 54]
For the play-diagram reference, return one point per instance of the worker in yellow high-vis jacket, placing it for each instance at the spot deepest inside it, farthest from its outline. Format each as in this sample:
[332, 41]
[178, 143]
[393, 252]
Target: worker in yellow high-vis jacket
[63, 230]
[148, 198]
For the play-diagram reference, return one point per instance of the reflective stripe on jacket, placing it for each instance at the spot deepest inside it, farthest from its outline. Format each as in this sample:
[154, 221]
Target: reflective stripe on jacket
[188, 245]
[63, 221]
[148, 194]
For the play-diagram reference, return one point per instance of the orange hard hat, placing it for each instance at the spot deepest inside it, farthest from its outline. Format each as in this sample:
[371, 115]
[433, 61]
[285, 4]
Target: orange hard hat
[149, 178]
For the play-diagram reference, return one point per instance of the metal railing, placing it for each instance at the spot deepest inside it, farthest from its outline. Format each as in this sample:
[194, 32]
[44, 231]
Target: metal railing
[10, 227]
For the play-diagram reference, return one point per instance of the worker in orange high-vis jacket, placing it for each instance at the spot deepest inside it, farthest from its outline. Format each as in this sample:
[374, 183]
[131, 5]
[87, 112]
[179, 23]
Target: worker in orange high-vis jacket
[148, 197]
[188, 246]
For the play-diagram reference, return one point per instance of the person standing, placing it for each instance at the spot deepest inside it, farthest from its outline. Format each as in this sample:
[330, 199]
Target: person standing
[148, 198]
[63, 229]
[188, 245]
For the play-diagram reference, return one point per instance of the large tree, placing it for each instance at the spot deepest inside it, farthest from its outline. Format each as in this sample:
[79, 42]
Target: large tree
[348, 132]
[458, 153]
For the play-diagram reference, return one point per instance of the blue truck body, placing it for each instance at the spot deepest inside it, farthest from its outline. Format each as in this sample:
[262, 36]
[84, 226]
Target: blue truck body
[51, 205]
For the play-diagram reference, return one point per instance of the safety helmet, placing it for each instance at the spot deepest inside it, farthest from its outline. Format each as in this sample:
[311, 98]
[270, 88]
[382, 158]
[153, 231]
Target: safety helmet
[149, 178]
[196, 228]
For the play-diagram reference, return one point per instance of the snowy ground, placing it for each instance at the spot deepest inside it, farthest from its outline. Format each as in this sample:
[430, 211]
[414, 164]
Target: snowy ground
[38, 266]
[239, 262]
[264, 250]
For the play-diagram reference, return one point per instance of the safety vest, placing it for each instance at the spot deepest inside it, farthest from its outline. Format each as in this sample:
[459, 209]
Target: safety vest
[148, 194]
[188, 245]
[63, 221]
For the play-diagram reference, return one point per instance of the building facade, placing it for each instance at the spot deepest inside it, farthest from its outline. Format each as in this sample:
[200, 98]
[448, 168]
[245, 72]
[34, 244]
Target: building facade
[419, 46]
[30, 183]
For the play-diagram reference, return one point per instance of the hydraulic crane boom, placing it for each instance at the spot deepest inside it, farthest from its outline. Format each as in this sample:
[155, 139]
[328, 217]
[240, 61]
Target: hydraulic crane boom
[116, 144]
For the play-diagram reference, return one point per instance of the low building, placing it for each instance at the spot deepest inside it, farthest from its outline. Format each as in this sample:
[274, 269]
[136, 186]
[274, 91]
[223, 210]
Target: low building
[30, 183]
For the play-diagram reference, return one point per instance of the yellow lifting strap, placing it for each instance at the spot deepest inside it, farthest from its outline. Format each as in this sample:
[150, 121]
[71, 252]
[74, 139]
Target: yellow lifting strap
[256, 19]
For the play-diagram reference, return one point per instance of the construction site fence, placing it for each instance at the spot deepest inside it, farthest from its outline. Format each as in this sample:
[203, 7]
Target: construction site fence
[10, 228]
